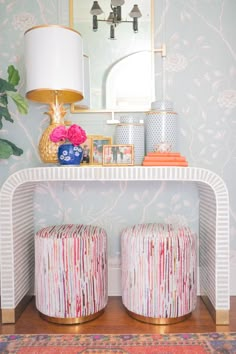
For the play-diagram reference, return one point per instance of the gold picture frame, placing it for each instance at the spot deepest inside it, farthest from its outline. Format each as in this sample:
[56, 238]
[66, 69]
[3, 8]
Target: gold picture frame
[87, 151]
[97, 148]
[118, 155]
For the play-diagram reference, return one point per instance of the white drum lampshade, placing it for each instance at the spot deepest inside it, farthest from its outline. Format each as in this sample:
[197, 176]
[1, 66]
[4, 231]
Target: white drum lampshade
[54, 75]
[54, 62]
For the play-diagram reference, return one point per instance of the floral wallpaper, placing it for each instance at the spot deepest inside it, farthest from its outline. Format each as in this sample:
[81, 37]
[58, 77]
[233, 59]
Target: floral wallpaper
[198, 75]
[200, 78]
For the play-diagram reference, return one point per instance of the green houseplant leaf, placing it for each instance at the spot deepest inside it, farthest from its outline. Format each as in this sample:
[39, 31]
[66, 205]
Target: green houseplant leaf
[7, 89]
[5, 149]
[15, 150]
[4, 113]
[20, 102]
[13, 75]
[6, 86]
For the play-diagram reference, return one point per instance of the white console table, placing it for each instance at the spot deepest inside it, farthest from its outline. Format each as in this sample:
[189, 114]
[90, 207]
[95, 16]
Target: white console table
[17, 228]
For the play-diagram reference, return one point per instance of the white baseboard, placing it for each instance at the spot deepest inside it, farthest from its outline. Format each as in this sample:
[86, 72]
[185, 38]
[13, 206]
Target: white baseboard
[114, 281]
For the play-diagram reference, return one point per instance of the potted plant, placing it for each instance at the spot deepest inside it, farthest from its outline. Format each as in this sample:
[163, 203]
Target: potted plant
[70, 152]
[8, 89]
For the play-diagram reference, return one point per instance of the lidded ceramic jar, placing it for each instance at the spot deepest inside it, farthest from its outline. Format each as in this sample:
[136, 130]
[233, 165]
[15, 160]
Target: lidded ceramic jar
[161, 127]
[131, 131]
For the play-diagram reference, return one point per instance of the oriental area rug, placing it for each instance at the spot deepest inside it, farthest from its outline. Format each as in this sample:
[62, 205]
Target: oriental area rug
[188, 343]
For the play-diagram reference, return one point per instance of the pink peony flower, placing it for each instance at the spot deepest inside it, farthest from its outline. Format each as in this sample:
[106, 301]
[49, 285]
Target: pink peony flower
[76, 135]
[58, 134]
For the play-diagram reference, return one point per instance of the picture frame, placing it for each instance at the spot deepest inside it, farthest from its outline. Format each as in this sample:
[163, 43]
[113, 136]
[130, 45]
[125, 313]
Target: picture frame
[118, 155]
[87, 151]
[97, 148]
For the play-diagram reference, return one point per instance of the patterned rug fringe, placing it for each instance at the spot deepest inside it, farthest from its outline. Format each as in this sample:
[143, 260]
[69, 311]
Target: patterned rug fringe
[183, 343]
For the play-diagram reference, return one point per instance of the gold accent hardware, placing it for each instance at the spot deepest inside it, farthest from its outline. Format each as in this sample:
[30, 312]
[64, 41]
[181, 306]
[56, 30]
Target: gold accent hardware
[70, 321]
[158, 321]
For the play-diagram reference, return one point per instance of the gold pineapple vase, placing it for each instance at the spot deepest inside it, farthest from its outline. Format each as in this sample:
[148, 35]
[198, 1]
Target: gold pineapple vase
[47, 148]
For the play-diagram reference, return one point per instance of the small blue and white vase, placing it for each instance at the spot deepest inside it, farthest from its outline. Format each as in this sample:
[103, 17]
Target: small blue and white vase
[161, 127]
[69, 154]
[131, 131]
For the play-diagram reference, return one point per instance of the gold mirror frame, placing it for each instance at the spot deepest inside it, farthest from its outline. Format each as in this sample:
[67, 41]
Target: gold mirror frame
[75, 107]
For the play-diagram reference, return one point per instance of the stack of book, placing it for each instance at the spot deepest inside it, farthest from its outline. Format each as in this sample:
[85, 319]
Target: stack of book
[164, 159]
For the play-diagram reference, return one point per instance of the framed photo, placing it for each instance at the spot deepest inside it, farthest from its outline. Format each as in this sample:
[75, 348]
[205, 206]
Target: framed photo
[97, 148]
[120, 155]
[87, 151]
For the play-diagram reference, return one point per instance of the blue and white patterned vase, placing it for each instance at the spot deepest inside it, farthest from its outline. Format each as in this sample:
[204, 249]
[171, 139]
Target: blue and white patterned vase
[131, 131]
[69, 154]
[161, 129]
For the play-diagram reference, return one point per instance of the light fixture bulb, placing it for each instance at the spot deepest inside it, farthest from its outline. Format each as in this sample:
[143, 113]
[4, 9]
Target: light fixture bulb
[112, 32]
[95, 23]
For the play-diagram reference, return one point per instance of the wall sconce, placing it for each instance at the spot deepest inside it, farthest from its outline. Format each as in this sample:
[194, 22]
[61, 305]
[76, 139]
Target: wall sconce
[115, 16]
[54, 75]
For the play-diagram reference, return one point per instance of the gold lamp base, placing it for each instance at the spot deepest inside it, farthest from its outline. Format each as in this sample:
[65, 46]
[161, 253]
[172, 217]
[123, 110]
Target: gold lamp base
[47, 148]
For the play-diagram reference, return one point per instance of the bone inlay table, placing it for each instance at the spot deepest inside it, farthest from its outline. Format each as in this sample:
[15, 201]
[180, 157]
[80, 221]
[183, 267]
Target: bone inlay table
[17, 228]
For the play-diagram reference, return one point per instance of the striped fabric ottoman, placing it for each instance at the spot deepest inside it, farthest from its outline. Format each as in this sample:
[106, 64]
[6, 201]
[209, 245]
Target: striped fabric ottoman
[71, 273]
[159, 272]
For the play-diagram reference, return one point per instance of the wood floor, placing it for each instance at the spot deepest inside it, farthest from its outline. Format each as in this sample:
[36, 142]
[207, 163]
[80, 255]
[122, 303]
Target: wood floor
[116, 320]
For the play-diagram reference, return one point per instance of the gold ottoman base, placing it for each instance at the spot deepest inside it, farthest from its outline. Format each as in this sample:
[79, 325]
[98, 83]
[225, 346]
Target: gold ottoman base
[70, 321]
[158, 321]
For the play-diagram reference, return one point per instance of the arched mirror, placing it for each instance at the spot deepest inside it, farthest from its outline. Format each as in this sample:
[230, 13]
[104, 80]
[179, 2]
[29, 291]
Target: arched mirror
[121, 75]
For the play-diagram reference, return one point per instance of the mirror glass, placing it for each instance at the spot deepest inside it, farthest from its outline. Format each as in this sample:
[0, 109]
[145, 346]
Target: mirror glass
[121, 70]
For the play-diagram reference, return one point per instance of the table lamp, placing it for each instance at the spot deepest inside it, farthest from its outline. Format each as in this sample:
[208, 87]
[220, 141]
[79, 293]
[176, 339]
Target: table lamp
[54, 75]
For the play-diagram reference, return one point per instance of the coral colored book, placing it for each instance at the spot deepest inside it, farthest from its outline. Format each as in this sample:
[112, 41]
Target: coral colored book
[164, 159]
[157, 154]
[176, 163]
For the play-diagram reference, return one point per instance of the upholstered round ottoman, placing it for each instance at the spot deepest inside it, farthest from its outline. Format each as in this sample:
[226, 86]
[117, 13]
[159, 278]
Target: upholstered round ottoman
[71, 273]
[159, 272]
